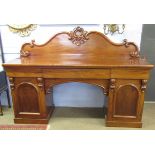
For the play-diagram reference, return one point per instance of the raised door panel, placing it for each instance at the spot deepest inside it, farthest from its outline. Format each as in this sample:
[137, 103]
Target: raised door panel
[27, 100]
[126, 101]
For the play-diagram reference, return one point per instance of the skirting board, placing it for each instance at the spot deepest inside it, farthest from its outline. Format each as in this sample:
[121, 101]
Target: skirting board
[146, 102]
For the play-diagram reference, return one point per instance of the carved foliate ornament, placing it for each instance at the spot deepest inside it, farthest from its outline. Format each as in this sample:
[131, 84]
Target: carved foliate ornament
[12, 85]
[112, 83]
[40, 83]
[144, 85]
[78, 36]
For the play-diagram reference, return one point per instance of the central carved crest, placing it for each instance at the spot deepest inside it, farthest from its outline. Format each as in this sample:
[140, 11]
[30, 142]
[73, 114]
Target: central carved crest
[78, 36]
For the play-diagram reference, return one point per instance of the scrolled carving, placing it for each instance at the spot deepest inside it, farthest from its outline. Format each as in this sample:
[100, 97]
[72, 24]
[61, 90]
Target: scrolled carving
[126, 43]
[144, 84]
[78, 36]
[112, 83]
[40, 83]
[24, 53]
[12, 85]
[133, 54]
[32, 43]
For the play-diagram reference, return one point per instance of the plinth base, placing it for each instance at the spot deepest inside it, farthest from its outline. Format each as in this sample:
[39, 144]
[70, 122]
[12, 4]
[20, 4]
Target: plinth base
[35, 121]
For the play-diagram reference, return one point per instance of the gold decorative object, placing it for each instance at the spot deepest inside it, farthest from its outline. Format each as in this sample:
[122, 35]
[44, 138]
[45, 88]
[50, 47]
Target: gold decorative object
[113, 28]
[23, 30]
[78, 36]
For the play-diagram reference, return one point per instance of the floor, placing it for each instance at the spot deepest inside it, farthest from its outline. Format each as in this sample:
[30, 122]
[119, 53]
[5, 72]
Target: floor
[84, 119]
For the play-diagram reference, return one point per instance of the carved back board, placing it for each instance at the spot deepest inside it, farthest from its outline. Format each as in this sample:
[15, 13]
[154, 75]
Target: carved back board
[79, 42]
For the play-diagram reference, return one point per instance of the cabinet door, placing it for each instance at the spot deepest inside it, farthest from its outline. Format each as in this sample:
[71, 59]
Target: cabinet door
[28, 98]
[126, 99]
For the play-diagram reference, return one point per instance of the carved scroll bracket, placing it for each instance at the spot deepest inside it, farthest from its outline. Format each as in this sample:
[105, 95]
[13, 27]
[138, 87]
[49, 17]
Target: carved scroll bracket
[40, 83]
[27, 53]
[144, 84]
[133, 54]
[78, 36]
[12, 85]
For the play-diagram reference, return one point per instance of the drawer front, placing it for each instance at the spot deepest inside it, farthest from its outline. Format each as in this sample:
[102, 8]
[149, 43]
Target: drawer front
[77, 73]
[23, 71]
[130, 73]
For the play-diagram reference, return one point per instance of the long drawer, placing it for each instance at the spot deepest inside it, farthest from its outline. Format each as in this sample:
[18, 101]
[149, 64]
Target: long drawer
[76, 73]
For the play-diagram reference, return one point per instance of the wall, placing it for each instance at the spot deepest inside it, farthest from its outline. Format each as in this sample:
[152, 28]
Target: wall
[68, 94]
[148, 49]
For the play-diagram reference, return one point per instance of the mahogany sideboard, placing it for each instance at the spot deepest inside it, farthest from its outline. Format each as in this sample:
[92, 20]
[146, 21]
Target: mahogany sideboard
[79, 56]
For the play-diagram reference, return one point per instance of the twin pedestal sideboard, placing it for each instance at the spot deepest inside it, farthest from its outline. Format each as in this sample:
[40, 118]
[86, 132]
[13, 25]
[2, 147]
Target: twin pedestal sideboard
[79, 56]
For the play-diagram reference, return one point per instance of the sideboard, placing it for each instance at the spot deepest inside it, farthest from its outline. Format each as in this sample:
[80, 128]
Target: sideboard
[79, 56]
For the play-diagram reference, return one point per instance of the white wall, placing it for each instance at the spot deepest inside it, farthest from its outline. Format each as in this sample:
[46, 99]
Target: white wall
[68, 94]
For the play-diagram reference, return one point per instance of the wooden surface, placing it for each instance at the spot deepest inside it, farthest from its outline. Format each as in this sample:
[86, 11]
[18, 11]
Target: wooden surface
[79, 56]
